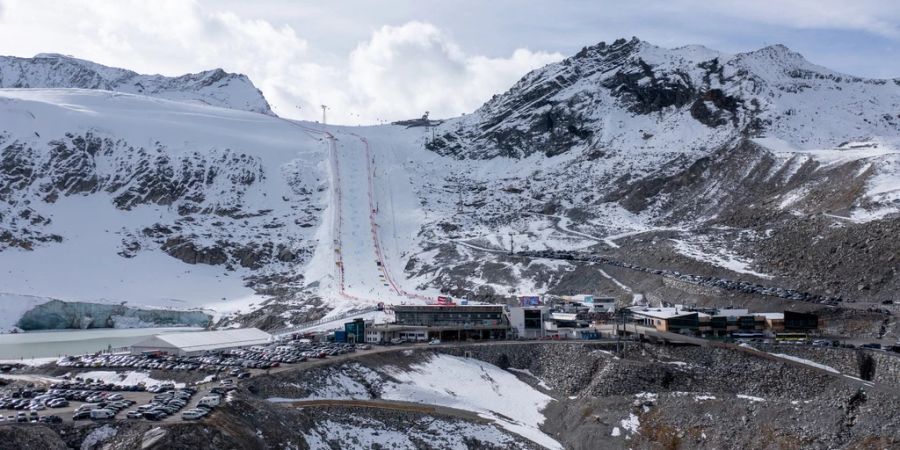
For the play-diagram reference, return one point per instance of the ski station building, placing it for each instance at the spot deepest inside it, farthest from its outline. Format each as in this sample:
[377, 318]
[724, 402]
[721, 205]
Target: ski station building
[451, 322]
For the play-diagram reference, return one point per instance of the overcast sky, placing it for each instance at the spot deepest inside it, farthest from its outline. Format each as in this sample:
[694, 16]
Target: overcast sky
[390, 59]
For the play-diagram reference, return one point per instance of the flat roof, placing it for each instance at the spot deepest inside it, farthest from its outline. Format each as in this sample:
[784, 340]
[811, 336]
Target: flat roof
[664, 313]
[393, 327]
[566, 317]
[467, 308]
[733, 312]
[207, 340]
[771, 316]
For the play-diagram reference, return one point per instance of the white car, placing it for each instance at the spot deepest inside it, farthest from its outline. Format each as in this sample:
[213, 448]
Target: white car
[191, 415]
[210, 400]
[100, 414]
[434, 342]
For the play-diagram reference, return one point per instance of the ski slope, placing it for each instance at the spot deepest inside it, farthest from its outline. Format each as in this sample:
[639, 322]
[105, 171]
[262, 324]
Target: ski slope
[371, 224]
[366, 274]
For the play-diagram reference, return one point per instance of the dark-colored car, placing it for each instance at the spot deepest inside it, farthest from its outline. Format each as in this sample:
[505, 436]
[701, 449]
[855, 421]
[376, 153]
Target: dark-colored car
[154, 414]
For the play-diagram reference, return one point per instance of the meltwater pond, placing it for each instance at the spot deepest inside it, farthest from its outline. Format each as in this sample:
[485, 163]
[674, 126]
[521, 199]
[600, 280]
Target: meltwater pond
[46, 344]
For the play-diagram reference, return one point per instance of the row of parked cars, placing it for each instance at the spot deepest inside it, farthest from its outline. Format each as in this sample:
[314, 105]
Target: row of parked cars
[163, 404]
[169, 403]
[32, 416]
[141, 362]
[39, 402]
[257, 357]
[103, 405]
[290, 352]
[90, 385]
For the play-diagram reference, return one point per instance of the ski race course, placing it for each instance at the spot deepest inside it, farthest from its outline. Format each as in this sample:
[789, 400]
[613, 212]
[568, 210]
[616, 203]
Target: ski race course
[359, 213]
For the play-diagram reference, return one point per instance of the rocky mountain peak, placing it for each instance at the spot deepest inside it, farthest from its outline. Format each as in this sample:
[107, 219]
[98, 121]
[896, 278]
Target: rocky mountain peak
[583, 102]
[215, 87]
[603, 51]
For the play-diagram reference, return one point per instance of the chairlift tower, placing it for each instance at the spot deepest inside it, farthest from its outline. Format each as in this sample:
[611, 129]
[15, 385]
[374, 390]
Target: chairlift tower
[459, 192]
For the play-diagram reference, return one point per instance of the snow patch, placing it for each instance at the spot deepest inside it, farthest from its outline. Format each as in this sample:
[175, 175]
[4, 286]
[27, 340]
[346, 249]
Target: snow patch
[807, 362]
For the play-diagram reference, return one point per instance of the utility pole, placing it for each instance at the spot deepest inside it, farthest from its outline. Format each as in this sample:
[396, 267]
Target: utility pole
[427, 124]
[618, 337]
[324, 107]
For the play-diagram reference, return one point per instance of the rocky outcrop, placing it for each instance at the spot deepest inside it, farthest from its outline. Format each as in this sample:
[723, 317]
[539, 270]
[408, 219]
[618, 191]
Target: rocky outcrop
[30, 437]
[857, 261]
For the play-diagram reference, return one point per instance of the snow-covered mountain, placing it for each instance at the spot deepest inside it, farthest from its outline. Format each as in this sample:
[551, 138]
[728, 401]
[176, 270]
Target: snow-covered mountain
[213, 87]
[109, 197]
[758, 166]
[708, 158]
[634, 96]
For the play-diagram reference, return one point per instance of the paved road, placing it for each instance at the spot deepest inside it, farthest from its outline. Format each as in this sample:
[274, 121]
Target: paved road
[398, 348]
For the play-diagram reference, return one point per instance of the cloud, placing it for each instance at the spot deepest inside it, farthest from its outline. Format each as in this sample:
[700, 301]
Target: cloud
[168, 36]
[399, 72]
[444, 57]
[415, 67]
[878, 17]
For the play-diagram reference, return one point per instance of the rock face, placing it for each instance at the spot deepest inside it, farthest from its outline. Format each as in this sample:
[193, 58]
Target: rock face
[205, 188]
[88, 163]
[31, 437]
[57, 314]
[214, 87]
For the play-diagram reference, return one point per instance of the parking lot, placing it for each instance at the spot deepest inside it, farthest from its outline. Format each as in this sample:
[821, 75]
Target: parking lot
[255, 357]
[74, 398]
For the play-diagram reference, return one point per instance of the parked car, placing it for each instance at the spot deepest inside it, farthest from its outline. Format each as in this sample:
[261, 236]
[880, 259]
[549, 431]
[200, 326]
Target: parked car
[51, 419]
[210, 400]
[154, 415]
[191, 415]
[102, 414]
